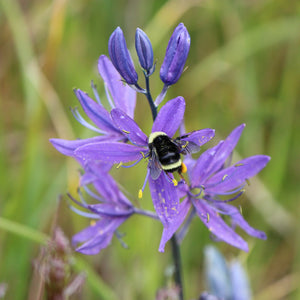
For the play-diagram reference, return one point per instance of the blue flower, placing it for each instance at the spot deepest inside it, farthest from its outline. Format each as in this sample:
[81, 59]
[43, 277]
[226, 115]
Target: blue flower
[210, 179]
[119, 96]
[164, 196]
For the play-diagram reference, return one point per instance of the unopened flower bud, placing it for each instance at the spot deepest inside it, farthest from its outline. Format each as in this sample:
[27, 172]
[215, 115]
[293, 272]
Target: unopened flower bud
[144, 51]
[120, 56]
[176, 55]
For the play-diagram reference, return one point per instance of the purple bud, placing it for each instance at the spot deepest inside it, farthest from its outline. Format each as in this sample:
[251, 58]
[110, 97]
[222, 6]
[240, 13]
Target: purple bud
[120, 56]
[176, 55]
[144, 51]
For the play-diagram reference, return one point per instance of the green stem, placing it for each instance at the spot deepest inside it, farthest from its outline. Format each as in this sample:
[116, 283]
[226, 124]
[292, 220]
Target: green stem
[177, 265]
[150, 100]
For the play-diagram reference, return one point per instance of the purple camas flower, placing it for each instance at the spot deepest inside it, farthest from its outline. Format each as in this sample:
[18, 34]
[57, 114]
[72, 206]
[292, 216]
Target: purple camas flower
[120, 56]
[119, 96]
[209, 180]
[112, 209]
[164, 196]
[176, 55]
[144, 51]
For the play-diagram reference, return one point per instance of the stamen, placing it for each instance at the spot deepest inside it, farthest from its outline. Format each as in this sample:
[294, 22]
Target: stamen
[241, 210]
[140, 195]
[84, 214]
[248, 181]
[94, 195]
[125, 131]
[119, 165]
[174, 182]
[238, 165]
[83, 122]
[207, 217]
[129, 166]
[110, 101]
[94, 88]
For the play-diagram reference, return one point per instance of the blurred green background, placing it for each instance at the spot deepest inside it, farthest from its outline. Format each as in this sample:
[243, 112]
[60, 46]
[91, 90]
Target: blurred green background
[243, 66]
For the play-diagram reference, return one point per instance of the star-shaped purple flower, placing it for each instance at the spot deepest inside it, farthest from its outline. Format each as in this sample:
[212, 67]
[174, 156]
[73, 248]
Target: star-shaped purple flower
[170, 116]
[119, 96]
[112, 209]
[210, 179]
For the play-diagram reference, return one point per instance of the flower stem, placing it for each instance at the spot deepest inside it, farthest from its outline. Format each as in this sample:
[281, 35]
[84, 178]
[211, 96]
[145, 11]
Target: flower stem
[177, 265]
[150, 100]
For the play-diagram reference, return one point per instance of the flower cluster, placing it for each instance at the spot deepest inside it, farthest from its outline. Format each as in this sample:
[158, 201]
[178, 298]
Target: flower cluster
[120, 141]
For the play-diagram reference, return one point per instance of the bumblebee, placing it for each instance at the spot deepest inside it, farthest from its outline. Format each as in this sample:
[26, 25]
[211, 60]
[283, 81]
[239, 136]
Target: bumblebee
[165, 153]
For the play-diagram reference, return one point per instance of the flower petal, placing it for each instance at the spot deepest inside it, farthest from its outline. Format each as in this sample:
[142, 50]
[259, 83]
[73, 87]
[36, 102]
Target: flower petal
[110, 152]
[97, 113]
[238, 220]
[94, 246]
[170, 116]
[234, 176]
[128, 126]
[200, 171]
[165, 198]
[225, 149]
[123, 95]
[97, 236]
[171, 228]
[215, 224]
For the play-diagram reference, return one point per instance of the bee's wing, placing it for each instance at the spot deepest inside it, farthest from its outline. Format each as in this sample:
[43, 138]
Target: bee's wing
[191, 148]
[186, 147]
[154, 166]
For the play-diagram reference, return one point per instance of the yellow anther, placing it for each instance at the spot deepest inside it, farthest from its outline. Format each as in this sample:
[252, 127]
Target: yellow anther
[238, 165]
[241, 211]
[224, 177]
[175, 182]
[207, 217]
[143, 154]
[92, 222]
[125, 131]
[140, 194]
[119, 165]
[183, 168]
[248, 182]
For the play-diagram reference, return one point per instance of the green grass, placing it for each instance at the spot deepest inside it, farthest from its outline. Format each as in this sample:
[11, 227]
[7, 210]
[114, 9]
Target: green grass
[243, 66]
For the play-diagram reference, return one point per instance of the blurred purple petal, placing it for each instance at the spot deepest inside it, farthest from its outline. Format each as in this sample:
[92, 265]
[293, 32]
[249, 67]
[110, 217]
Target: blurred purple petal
[165, 198]
[234, 176]
[170, 116]
[215, 224]
[128, 126]
[171, 228]
[109, 152]
[238, 220]
[123, 95]
[97, 236]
